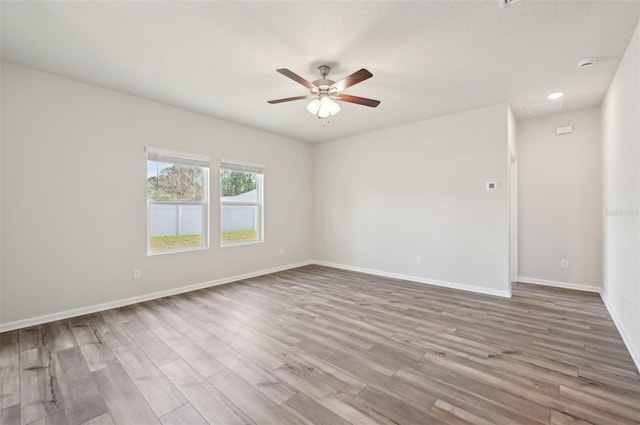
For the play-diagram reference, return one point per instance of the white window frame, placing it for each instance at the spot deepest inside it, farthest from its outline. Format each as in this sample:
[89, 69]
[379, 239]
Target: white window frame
[258, 170]
[176, 157]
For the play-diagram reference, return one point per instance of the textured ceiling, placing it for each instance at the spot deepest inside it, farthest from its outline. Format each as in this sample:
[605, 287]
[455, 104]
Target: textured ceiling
[428, 58]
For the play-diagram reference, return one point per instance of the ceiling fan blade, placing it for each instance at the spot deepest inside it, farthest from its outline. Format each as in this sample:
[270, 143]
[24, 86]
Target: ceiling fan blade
[286, 99]
[359, 100]
[295, 77]
[355, 78]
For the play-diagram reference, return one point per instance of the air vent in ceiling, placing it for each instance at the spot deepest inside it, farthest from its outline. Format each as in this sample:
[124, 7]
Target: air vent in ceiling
[586, 63]
[546, 107]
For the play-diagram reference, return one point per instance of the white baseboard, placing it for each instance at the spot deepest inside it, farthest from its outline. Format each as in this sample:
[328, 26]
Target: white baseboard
[418, 279]
[565, 285]
[634, 351]
[18, 324]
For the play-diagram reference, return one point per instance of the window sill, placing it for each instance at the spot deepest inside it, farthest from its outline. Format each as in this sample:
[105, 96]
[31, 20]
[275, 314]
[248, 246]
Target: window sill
[175, 251]
[231, 244]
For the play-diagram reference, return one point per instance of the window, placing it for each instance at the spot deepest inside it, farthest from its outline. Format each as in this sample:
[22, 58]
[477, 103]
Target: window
[241, 194]
[177, 201]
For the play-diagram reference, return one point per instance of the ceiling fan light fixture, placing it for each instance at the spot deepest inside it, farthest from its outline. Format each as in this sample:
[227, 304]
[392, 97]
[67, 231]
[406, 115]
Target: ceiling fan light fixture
[328, 106]
[314, 106]
[323, 107]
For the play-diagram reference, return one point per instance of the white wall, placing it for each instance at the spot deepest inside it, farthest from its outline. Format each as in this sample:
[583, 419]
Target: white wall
[560, 180]
[621, 137]
[73, 154]
[383, 198]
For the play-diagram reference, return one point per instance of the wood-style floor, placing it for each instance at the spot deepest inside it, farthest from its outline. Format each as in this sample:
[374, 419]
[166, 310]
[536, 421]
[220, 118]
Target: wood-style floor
[317, 345]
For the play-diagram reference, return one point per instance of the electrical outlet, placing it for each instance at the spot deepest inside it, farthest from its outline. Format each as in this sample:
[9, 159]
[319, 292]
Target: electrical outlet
[281, 251]
[137, 274]
[564, 264]
[419, 259]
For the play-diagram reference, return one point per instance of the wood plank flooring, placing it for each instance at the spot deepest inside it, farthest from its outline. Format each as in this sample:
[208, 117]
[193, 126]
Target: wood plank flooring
[316, 345]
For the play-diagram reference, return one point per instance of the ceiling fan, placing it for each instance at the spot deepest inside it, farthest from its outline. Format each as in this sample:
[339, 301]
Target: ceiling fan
[324, 92]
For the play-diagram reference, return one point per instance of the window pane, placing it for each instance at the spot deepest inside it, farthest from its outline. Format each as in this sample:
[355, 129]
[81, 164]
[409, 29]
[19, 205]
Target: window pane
[238, 186]
[177, 201]
[175, 226]
[174, 182]
[239, 223]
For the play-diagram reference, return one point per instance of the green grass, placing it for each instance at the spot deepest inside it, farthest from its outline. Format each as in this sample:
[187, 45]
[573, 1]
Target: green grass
[170, 242]
[189, 241]
[239, 236]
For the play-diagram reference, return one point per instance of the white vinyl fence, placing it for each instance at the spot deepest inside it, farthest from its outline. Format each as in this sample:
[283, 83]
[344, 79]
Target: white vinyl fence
[171, 220]
[239, 217]
[176, 220]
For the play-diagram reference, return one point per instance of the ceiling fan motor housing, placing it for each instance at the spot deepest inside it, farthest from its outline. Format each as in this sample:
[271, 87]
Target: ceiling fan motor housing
[323, 84]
